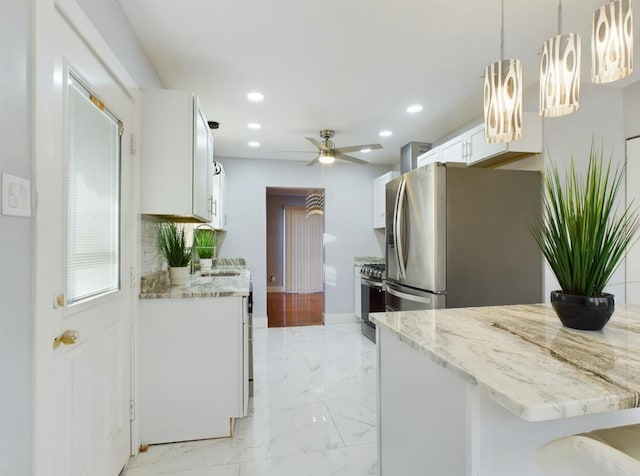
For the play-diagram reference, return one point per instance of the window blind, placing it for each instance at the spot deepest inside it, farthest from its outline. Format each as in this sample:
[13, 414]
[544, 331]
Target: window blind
[93, 196]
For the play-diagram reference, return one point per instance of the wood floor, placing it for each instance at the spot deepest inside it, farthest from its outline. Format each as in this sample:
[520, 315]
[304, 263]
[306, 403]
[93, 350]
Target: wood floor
[287, 309]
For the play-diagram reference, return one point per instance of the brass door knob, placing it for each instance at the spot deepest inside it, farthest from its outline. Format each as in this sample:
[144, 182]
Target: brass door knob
[68, 337]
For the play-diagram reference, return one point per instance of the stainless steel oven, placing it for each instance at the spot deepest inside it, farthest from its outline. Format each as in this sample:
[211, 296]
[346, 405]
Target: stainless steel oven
[372, 296]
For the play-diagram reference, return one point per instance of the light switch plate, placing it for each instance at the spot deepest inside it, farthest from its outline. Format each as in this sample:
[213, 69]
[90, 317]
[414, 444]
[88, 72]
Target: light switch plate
[16, 196]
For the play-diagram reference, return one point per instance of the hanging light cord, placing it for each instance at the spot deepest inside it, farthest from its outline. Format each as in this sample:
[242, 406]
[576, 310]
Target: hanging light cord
[502, 32]
[559, 17]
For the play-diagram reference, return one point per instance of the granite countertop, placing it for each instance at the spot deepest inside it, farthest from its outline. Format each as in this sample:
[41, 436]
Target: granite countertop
[525, 360]
[156, 285]
[360, 260]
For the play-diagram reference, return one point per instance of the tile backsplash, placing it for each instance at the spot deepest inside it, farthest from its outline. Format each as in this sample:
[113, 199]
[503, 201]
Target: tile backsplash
[149, 255]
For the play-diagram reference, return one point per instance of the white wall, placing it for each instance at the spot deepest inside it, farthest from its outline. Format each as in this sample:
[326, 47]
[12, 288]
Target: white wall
[631, 100]
[16, 313]
[114, 27]
[348, 219]
[600, 117]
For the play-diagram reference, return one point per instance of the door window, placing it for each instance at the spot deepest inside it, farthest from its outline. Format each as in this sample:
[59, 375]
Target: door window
[93, 196]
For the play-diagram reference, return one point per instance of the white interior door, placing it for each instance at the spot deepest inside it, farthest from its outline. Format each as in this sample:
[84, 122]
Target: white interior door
[633, 194]
[82, 388]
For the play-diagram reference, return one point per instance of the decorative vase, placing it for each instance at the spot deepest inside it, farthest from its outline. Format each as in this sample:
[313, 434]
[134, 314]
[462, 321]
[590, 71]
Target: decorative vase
[205, 265]
[586, 313]
[178, 276]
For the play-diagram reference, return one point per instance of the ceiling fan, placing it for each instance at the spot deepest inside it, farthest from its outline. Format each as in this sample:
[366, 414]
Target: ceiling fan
[328, 153]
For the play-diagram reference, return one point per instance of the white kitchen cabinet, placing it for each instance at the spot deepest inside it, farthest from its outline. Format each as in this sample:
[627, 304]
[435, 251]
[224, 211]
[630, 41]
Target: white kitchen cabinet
[219, 199]
[176, 156]
[379, 198]
[428, 157]
[482, 154]
[357, 291]
[454, 150]
[193, 367]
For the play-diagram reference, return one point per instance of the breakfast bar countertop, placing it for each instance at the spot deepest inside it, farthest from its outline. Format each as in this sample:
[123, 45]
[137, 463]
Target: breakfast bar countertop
[522, 357]
[229, 277]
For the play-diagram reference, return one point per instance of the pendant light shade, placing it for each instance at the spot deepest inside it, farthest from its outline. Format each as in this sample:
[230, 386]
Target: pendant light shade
[612, 42]
[503, 101]
[315, 204]
[560, 73]
[503, 96]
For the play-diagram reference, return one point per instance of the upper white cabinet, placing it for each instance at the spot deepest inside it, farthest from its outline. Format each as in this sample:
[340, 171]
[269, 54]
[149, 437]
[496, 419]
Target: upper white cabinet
[471, 148]
[379, 199]
[454, 150]
[177, 156]
[482, 154]
[219, 199]
[428, 157]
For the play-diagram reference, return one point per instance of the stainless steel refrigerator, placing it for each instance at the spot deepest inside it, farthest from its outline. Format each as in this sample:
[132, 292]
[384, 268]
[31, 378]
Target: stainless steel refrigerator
[460, 237]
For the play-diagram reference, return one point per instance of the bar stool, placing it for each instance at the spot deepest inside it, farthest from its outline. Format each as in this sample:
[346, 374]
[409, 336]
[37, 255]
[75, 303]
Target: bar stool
[604, 452]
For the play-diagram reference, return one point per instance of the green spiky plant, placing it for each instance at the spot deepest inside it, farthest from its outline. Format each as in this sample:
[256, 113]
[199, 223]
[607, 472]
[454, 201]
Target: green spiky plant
[173, 245]
[582, 235]
[204, 241]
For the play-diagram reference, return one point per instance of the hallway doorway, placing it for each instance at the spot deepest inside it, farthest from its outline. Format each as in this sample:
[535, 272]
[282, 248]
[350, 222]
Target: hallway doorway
[295, 226]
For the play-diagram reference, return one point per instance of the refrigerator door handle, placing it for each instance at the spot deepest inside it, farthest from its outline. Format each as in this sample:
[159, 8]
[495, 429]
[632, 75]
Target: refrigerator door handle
[409, 297]
[398, 227]
[395, 226]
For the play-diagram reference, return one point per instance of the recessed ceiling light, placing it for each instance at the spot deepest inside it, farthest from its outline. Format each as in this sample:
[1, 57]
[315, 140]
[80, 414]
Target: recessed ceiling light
[254, 126]
[365, 151]
[254, 144]
[385, 134]
[414, 108]
[255, 96]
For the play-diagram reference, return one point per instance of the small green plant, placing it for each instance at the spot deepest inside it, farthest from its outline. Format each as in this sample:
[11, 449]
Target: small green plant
[204, 241]
[173, 246]
[582, 236]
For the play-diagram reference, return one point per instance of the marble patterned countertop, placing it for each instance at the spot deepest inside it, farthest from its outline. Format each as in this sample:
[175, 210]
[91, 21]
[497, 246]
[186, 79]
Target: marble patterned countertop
[360, 260]
[525, 360]
[156, 285]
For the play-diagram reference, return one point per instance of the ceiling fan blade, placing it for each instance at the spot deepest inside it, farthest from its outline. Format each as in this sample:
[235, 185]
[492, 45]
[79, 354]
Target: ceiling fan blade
[314, 161]
[317, 143]
[357, 148]
[348, 158]
[295, 151]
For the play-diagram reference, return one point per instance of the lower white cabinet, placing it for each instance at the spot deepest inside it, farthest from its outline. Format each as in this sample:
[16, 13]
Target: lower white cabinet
[193, 367]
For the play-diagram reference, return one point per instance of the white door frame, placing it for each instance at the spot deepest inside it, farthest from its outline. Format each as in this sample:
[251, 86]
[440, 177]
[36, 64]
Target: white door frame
[46, 87]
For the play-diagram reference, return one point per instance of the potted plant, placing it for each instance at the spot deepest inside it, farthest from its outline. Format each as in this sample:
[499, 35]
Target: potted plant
[205, 244]
[174, 251]
[583, 238]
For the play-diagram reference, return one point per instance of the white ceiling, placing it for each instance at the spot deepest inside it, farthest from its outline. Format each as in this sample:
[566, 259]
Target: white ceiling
[349, 65]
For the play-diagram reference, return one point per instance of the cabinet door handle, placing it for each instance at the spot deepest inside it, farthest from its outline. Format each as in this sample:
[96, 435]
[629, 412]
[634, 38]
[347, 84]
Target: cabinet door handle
[214, 207]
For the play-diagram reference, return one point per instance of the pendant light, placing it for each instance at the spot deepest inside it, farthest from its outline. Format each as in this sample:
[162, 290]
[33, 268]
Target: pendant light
[503, 97]
[315, 204]
[560, 73]
[612, 42]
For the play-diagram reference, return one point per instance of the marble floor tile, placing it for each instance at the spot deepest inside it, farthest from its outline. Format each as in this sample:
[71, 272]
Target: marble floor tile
[355, 419]
[313, 412]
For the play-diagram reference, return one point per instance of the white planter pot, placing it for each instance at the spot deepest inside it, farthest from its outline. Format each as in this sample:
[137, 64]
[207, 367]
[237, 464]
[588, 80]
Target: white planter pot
[179, 276]
[205, 265]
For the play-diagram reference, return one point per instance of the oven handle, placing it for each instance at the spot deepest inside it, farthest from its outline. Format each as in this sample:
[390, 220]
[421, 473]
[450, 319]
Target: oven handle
[409, 297]
[373, 284]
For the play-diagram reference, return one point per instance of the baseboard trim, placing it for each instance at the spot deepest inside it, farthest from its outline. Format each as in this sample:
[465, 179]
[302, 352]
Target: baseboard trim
[275, 289]
[347, 318]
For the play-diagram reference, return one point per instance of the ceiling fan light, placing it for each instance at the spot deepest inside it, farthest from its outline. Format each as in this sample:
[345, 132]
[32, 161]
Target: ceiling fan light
[560, 75]
[503, 101]
[326, 157]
